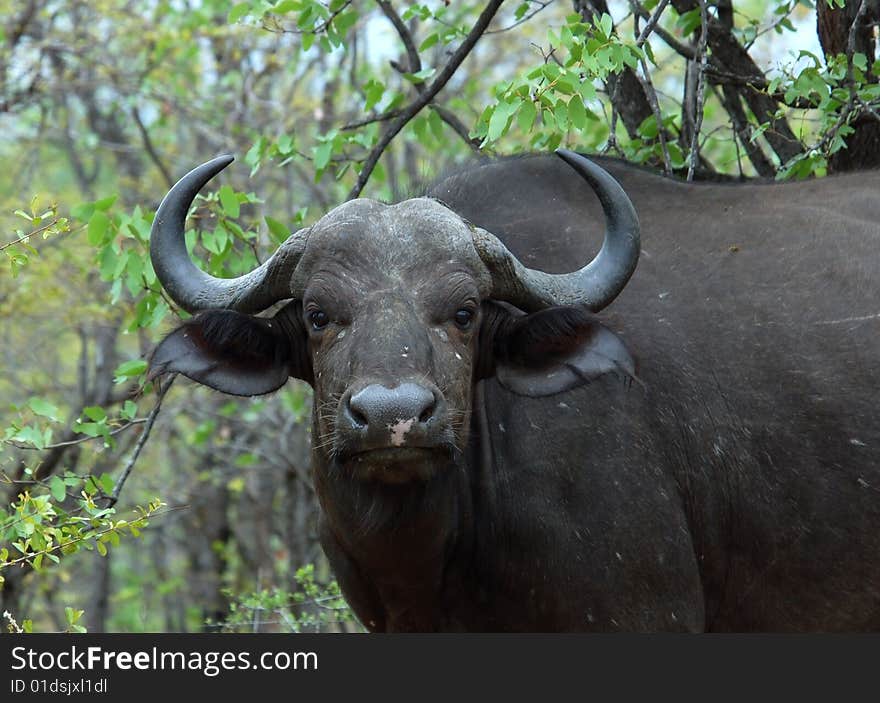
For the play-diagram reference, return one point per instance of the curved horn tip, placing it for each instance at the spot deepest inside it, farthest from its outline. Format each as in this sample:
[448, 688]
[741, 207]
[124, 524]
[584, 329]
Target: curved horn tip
[217, 164]
[577, 161]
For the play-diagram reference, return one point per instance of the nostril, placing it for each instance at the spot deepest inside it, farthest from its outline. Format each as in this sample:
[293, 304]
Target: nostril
[428, 412]
[356, 413]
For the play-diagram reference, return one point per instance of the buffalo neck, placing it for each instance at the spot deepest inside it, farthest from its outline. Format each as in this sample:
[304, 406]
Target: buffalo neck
[402, 536]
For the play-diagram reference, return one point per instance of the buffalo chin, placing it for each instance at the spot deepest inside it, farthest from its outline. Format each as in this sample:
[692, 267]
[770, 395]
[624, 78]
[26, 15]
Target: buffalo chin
[397, 465]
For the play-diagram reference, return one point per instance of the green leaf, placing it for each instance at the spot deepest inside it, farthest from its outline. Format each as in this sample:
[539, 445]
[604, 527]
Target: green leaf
[105, 203]
[129, 410]
[43, 408]
[689, 21]
[577, 114]
[430, 40]
[277, 230]
[107, 483]
[129, 369]
[285, 144]
[95, 412]
[322, 155]
[99, 223]
[237, 12]
[71, 615]
[57, 488]
[229, 201]
[373, 92]
[501, 117]
[420, 76]
[525, 118]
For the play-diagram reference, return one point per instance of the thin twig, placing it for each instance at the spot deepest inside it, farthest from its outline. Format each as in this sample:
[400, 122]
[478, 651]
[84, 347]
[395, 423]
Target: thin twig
[652, 22]
[72, 442]
[425, 97]
[142, 440]
[701, 90]
[54, 548]
[150, 147]
[682, 49]
[651, 95]
[412, 54]
[525, 18]
[54, 222]
[414, 66]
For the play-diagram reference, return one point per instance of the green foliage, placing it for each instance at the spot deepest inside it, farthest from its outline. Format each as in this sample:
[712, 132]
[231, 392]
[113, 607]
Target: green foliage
[312, 606]
[59, 517]
[45, 223]
[558, 99]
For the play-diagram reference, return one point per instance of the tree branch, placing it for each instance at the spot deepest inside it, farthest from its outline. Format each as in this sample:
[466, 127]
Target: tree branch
[142, 440]
[425, 97]
[412, 54]
[701, 91]
[414, 62]
[150, 148]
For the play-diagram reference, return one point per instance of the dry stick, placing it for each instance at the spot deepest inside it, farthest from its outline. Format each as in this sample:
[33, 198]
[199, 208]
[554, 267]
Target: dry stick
[425, 97]
[142, 440]
[701, 90]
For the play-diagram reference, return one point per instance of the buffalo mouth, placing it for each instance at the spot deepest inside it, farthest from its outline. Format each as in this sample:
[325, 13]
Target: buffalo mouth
[392, 464]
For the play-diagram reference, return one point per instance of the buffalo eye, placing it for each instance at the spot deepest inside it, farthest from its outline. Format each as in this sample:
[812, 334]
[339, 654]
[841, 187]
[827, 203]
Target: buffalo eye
[463, 318]
[318, 319]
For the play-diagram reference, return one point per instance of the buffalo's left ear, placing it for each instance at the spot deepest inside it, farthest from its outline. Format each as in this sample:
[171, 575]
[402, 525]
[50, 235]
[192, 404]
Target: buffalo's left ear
[235, 353]
[551, 351]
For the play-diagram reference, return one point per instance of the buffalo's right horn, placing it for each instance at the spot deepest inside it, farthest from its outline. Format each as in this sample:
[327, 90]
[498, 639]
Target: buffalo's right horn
[192, 288]
[596, 284]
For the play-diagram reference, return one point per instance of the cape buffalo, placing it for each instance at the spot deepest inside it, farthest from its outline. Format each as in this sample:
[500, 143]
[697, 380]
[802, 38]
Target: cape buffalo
[491, 455]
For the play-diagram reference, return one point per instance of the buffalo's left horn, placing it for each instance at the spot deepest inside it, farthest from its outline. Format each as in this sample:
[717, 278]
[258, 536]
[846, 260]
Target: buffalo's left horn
[192, 288]
[596, 284]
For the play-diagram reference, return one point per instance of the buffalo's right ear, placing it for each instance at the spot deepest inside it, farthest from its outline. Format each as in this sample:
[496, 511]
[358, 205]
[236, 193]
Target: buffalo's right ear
[235, 353]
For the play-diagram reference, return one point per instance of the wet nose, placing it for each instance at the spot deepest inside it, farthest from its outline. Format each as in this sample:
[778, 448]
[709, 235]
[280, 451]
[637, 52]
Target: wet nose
[379, 407]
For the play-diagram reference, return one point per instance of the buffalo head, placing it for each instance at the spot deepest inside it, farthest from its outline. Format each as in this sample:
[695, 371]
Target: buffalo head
[392, 313]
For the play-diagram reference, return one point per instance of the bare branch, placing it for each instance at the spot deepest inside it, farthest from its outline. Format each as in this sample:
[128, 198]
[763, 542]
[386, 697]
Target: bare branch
[524, 18]
[450, 118]
[412, 54]
[142, 440]
[150, 148]
[383, 117]
[652, 21]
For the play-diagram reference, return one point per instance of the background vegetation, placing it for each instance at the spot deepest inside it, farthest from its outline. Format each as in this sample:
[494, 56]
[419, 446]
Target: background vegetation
[121, 514]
